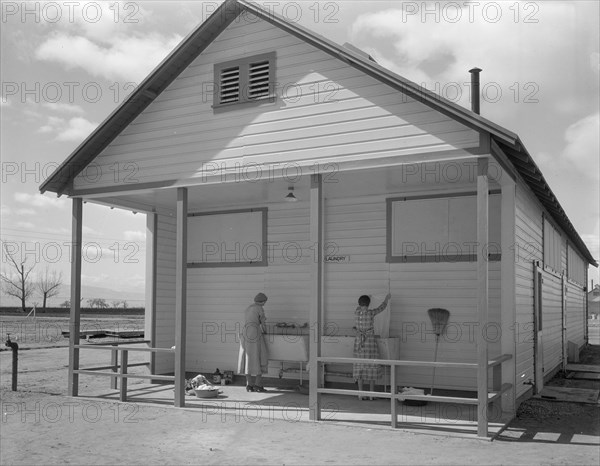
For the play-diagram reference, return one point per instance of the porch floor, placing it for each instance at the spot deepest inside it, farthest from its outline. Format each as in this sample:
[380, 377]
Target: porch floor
[235, 404]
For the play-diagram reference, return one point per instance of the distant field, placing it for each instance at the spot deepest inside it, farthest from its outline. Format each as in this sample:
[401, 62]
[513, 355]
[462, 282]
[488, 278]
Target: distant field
[63, 311]
[47, 331]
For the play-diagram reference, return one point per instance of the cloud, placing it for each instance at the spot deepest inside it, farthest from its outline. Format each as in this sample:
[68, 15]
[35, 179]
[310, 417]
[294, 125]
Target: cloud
[76, 129]
[59, 231]
[99, 279]
[26, 225]
[32, 114]
[72, 129]
[437, 51]
[583, 145]
[134, 235]
[90, 231]
[63, 108]
[595, 63]
[128, 58]
[5, 210]
[39, 200]
[25, 211]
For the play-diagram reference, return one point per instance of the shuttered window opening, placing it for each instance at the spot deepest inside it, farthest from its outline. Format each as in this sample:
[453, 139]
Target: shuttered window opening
[258, 79]
[552, 247]
[229, 85]
[243, 81]
[442, 228]
[575, 266]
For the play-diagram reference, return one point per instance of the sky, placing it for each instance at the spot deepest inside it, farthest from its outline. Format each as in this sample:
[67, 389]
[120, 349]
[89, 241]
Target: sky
[66, 65]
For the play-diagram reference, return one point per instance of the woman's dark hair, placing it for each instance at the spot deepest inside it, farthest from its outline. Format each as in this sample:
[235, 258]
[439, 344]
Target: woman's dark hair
[364, 300]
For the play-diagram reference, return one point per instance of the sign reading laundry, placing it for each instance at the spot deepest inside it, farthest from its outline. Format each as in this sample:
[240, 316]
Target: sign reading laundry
[337, 259]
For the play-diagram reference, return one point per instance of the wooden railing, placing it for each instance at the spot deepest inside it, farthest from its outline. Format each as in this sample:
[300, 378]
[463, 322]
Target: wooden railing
[123, 375]
[498, 389]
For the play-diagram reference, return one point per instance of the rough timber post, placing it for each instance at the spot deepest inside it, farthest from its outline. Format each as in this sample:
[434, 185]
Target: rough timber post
[75, 316]
[482, 295]
[180, 295]
[316, 239]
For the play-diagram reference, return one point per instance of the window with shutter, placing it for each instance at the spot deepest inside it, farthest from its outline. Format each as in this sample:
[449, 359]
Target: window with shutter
[552, 246]
[244, 81]
[439, 228]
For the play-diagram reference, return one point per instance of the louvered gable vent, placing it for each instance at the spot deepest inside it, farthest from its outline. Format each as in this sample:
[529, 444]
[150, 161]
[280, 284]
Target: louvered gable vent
[246, 80]
[258, 79]
[229, 85]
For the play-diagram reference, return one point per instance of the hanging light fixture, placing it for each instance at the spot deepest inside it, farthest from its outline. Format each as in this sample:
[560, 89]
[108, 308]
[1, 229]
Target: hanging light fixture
[290, 195]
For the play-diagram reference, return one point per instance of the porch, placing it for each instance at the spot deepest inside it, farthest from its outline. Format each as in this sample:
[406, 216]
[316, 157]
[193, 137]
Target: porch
[322, 297]
[283, 402]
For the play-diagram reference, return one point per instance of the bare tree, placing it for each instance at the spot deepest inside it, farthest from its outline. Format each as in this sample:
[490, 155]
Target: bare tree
[116, 304]
[17, 282]
[98, 303]
[48, 284]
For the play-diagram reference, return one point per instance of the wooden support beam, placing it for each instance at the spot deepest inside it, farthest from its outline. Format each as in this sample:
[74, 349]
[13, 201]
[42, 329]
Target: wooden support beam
[123, 372]
[75, 315]
[150, 297]
[394, 403]
[508, 341]
[482, 295]
[316, 277]
[114, 363]
[180, 295]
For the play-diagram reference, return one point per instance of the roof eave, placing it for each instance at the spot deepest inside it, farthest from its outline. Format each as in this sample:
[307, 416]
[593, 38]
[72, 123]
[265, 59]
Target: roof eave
[533, 177]
[141, 97]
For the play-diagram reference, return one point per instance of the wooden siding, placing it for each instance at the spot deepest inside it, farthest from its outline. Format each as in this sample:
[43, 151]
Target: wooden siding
[325, 109]
[165, 291]
[575, 313]
[356, 228]
[528, 248]
[217, 297]
[552, 321]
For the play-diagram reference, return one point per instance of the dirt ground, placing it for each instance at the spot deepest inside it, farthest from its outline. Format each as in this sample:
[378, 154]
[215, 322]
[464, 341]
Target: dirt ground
[41, 425]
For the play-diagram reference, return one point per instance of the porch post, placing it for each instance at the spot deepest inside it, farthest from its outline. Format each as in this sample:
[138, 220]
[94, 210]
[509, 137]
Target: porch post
[150, 298]
[315, 318]
[180, 295]
[482, 295]
[508, 316]
[74, 319]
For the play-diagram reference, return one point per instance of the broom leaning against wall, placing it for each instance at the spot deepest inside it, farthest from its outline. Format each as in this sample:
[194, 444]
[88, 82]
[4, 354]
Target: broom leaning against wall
[439, 320]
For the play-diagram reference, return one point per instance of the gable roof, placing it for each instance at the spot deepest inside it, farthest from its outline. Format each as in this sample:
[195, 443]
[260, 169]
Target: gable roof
[505, 142]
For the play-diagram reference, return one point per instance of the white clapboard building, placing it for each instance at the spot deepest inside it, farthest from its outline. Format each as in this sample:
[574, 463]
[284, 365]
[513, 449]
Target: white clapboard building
[397, 189]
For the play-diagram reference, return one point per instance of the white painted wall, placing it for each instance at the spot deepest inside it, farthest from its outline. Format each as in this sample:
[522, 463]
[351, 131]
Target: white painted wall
[165, 292]
[355, 227]
[528, 244]
[325, 111]
[552, 320]
[576, 320]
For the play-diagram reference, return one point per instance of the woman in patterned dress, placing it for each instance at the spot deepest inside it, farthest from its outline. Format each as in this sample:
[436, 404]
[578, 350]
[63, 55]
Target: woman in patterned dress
[365, 345]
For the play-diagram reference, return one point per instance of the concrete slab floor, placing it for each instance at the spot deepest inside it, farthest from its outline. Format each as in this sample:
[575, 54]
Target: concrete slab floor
[234, 404]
